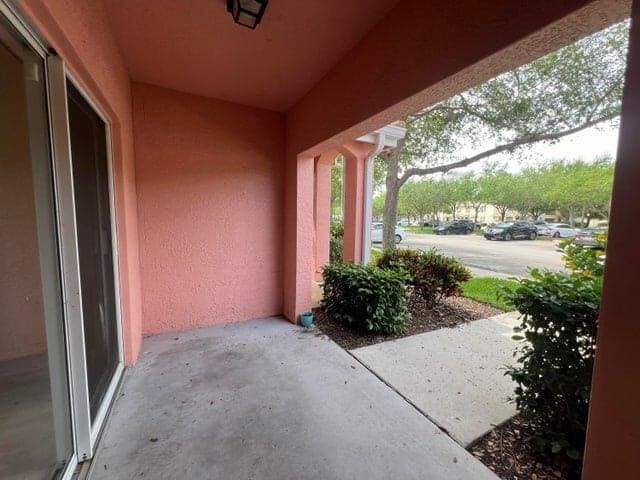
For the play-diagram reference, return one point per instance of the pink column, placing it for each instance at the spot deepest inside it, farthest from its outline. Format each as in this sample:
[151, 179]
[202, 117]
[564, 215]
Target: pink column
[322, 209]
[355, 154]
[298, 252]
[613, 435]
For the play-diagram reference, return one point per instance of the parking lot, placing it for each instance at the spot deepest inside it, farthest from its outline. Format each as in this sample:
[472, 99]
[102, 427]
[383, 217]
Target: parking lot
[491, 258]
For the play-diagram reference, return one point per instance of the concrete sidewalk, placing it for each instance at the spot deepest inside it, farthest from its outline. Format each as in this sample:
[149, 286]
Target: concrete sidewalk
[267, 400]
[455, 376]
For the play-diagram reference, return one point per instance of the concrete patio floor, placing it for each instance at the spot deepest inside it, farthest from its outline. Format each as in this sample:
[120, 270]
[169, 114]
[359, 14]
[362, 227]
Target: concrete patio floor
[267, 400]
[454, 375]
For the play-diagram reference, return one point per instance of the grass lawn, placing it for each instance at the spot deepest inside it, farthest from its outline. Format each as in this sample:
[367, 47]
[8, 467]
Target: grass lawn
[485, 290]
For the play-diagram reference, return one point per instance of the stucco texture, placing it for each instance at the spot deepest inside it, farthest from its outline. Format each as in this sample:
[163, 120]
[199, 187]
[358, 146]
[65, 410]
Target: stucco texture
[210, 198]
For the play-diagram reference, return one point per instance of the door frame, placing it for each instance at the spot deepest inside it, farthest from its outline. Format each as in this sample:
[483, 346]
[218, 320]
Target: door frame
[101, 415]
[87, 432]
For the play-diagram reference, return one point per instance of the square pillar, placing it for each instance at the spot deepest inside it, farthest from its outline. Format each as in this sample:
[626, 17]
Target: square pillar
[613, 434]
[355, 154]
[298, 241]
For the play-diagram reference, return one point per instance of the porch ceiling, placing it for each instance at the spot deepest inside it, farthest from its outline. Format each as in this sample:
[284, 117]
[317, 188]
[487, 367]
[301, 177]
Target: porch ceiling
[195, 47]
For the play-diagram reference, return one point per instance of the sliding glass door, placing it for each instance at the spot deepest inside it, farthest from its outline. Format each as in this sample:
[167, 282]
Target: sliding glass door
[88, 138]
[60, 335]
[36, 434]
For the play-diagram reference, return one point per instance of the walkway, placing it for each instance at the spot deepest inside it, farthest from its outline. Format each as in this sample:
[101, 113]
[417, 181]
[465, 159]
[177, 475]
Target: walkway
[454, 375]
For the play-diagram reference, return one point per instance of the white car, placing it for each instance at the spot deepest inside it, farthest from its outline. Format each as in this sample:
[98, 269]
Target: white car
[376, 233]
[558, 230]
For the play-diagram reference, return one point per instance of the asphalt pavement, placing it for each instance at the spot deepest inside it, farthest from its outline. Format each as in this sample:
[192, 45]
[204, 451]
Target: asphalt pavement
[492, 258]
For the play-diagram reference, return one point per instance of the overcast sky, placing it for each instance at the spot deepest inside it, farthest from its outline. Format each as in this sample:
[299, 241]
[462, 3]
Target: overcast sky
[588, 145]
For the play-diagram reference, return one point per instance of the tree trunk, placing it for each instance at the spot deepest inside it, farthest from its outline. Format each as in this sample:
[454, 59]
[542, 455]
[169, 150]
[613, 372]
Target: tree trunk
[391, 201]
[503, 212]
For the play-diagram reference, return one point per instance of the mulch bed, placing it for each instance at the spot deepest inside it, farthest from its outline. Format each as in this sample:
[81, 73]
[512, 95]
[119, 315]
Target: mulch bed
[507, 453]
[449, 313]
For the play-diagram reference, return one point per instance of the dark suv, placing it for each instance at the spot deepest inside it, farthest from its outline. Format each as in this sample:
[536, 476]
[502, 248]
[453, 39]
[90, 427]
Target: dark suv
[457, 226]
[511, 230]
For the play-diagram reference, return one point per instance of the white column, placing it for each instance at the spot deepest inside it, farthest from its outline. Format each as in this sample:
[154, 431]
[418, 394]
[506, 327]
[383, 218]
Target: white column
[368, 198]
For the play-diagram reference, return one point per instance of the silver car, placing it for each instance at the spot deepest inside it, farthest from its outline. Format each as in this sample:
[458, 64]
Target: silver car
[558, 230]
[589, 237]
[376, 233]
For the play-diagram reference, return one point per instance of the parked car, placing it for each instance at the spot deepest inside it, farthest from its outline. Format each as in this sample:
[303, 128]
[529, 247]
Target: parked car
[376, 233]
[511, 230]
[432, 223]
[588, 237]
[540, 225]
[559, 230]
[457, 226]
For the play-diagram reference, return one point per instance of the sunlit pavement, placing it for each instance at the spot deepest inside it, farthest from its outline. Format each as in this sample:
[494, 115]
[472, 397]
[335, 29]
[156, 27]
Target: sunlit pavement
[492, 258]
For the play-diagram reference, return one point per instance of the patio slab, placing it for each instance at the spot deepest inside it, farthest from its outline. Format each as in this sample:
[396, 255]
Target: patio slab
[267, 400]
[455, 376]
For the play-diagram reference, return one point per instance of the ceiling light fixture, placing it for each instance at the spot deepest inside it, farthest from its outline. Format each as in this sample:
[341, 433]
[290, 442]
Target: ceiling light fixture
[247, 13]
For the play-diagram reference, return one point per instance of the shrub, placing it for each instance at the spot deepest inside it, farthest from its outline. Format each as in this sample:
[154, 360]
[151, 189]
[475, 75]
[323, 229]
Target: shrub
[336, 242]
[365, 297]
[553, 376]
[587, 261]
[432, 275]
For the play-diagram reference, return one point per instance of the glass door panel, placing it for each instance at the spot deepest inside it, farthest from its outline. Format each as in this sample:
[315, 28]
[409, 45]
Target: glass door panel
[88, 137]
[36, 440]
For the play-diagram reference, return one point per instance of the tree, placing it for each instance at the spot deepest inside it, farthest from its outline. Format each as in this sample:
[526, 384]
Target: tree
[416, 200]
[470, 193]
[499, 189]
[581, 188]
[378, 205]
[572, 89]
[530, 192]
[336, 187]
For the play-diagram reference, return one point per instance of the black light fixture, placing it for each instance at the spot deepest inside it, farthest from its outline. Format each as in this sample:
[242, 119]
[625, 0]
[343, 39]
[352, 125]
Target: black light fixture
[247, 13]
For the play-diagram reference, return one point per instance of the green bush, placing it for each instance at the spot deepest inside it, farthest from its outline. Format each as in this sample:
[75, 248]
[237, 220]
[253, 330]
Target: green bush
[336, 242]
[365, 297]
[432, 274]
[553, 375]
[587, 261]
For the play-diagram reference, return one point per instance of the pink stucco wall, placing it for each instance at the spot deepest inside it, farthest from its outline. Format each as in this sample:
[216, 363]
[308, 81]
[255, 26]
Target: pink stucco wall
[81, 34]
[210, 197]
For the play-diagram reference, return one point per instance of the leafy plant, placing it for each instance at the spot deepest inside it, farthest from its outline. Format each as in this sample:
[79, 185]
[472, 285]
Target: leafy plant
[365, 297]
[553, 375]
[586, 261]
[336, 242]
[432, 275]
